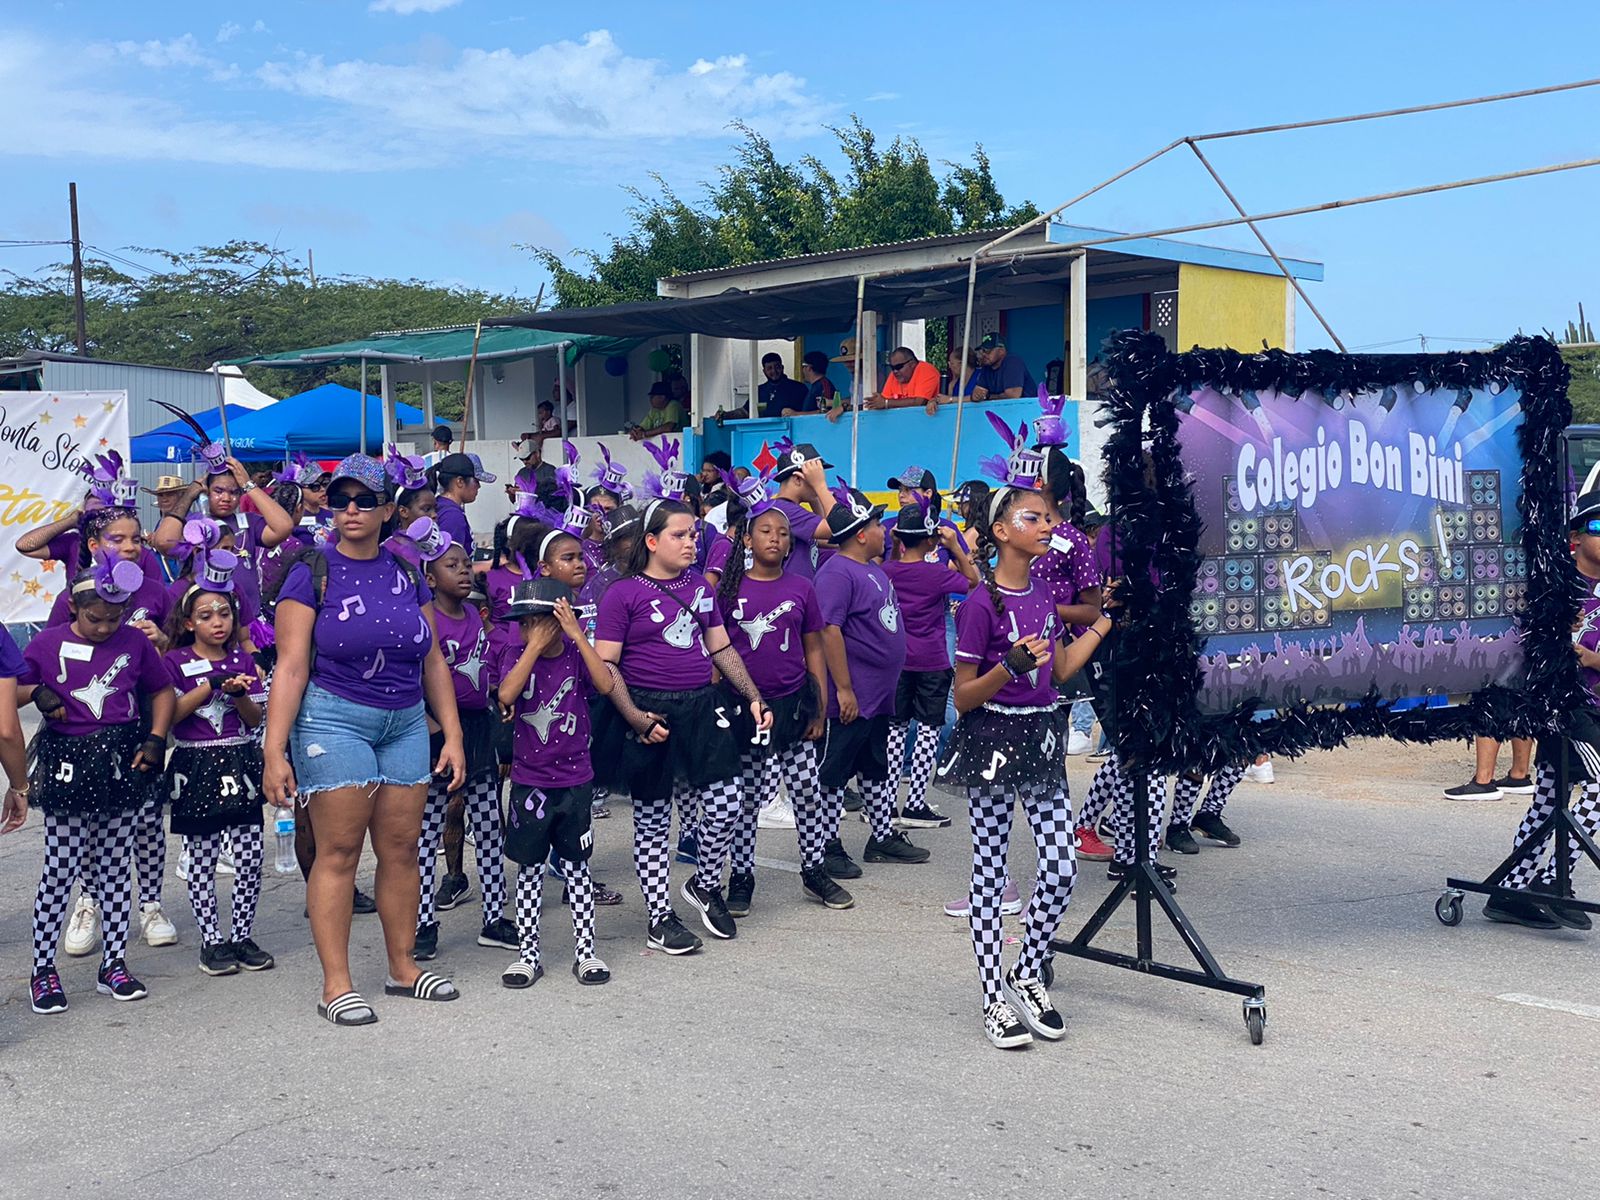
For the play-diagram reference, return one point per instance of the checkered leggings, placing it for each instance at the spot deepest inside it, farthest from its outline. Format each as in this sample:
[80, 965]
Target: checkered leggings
[1534, 860]
[1187, 791]
[796, 764]
[483, 816]
[924, 754]
[1050, 816]
[101, 848]
[1122, 822]
[877, 801]
[530, 897]
[718, 805]
[1101, 789]
[248, 854]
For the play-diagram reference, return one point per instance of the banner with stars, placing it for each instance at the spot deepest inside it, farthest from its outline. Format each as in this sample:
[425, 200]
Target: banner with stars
[45, 438]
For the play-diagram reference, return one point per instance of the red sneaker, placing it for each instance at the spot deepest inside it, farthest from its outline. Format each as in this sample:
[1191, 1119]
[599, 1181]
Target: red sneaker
[1090, 846]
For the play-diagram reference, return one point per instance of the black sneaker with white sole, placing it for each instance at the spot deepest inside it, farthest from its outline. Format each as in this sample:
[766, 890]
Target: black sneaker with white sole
[741, 890]
[1515, 785]
[713, 910]
[1030, 1001]
[1181, 841]
[1209, 825]
[896, 848]
[1004, 1028]
[251, 956]
[821, 888]
[838, 863]
[670, 937]
[499, 932]
[114, 981]
[453, 889]
[1117, 871]
[217, 958]
[427, 944]
[1473, 790]
[49, 997]
[922, 816]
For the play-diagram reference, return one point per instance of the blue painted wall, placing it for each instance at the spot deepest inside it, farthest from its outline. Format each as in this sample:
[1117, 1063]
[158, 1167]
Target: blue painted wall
[1109, 315]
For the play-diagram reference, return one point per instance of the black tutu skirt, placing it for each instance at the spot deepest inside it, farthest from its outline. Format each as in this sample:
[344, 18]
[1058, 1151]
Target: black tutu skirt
[89, 774]
[790, 716]
[992, 746]
[1583, 765]
[479, 734]
[701, 747]
[609, 736]
[214, 786]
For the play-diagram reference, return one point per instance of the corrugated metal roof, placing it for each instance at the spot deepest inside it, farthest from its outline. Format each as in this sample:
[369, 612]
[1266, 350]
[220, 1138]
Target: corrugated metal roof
[943, 239]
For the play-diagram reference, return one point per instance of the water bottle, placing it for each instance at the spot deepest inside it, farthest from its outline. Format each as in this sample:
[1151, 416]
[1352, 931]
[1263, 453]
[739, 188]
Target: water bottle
[283, 825]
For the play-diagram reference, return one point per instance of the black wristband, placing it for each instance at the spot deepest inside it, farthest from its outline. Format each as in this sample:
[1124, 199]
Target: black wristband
[154, 750]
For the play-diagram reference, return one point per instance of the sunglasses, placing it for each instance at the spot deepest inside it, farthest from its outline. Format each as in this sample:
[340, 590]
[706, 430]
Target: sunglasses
[364, 501]
[1592, 527]
[901, 366]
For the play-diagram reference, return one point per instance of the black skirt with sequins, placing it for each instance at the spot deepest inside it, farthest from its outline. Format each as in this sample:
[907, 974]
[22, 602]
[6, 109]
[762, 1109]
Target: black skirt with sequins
[1007, 746]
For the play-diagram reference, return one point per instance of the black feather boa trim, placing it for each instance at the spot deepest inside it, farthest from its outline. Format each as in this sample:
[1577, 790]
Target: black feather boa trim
[1156, 656]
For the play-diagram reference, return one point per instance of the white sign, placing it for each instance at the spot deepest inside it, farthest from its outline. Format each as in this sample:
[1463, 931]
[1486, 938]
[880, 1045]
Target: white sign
[45, 438]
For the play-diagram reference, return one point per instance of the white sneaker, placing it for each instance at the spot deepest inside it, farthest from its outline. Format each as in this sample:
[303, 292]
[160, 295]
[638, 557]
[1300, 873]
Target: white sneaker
[1078, 742]
[184, 863]
[225, 862]
[153, 923]
[1260, 773]
[83, 929]
[776, 814]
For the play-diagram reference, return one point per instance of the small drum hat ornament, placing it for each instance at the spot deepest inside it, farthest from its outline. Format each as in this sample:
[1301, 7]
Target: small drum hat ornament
[216, 571]
[431, 541]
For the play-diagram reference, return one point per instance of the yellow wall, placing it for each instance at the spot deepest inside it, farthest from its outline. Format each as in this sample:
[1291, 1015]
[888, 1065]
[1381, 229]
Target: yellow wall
[1229, 308]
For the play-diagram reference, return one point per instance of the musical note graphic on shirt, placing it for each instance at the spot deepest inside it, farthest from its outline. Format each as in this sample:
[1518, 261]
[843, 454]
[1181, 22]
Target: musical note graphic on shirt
[230, 786]
[377, 665]
[422, 633]
[738, 609]
[352, 604]
[401, 583]
[179, 782]
[996, 761]
[655, 612]
[784, 645]
[763, 737]
[64, 772]
[722, 717]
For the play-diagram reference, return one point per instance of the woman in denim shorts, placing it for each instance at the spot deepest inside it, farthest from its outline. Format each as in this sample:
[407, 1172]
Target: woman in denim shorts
[356, 655]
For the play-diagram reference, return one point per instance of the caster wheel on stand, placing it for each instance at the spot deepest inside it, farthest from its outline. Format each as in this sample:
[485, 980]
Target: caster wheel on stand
[1047, 973]
[1255, 1020]
[1448, 907]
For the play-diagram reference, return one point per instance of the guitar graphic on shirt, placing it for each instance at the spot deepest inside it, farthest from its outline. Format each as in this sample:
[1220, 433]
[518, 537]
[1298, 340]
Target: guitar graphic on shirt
[471, 666]
[92, 695]
[546, 714]
[762, 624]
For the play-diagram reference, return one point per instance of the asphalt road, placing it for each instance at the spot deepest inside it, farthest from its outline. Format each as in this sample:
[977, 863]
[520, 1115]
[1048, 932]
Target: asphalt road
[840, 1054]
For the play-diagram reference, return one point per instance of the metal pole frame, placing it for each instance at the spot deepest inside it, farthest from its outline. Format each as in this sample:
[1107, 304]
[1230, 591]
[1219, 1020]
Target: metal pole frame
[855, 391]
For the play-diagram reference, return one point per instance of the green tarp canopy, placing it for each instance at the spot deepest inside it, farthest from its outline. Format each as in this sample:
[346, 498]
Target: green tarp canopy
[443, 346]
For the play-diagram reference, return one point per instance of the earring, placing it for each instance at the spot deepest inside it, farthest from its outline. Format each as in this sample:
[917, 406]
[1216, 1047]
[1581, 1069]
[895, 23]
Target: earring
[749, 558]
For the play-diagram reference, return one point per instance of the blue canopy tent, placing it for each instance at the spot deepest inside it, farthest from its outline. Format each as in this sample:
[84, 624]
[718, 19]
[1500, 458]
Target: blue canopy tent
[322, 423]
[174, 441]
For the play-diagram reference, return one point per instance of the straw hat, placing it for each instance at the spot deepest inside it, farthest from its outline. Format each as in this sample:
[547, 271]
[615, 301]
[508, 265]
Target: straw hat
[847, 351]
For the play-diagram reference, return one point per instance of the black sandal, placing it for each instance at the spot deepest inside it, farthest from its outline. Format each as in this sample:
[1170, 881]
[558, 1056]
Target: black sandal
[428, 986]
[591, 972]
[348, 1009]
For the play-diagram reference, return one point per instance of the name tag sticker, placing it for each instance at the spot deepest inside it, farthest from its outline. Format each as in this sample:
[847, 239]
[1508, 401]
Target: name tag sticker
[200, 666]
[77, 651]
[1057, 542]
[704, 604]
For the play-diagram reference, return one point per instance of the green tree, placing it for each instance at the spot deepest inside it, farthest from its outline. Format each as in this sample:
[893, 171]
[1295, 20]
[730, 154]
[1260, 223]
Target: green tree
[1584, 390]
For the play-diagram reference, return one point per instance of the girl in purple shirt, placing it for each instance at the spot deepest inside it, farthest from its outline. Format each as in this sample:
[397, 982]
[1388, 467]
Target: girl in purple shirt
[357, 652]
[1010, 746]
[96, 761]
[215, 770]
[660, 626]
[465, 645]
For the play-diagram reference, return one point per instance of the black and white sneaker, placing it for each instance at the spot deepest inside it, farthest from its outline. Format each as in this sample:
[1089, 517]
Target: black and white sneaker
[922, 816]
[714, 914]
[1473, 790]
[48, 995]
[741, 890]
[1029, 1000]
[896, 848]
[453, 889]
[114, 981]
[1181, 841]
[217, 958]
[670, 937]
[251, 956]
[821, 888]
[427, 944]
[1515, 785]
[1003, 1027]
[1214, 828]
[837, 863]
[499, 932]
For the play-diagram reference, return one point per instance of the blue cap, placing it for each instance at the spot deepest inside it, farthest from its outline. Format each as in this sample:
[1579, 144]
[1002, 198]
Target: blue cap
[365, 470]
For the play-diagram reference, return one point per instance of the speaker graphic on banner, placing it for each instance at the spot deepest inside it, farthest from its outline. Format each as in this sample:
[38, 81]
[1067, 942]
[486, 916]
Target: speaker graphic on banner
[1367, 544]
[45, 439]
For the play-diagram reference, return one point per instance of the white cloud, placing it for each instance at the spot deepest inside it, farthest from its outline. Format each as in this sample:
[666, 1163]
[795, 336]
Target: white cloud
[228, 31]
[259, 27]
[404, 8]
[179, 52]
[880, 96]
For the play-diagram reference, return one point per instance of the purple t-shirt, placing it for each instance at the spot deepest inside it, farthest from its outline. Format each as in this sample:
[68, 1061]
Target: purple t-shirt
[984, 637]
[1069, 568]
[767, 623]
[247, 530]
[452, 518]
[498, 584]
[550, 720]
[370, 633]
[1587, 635]
[465, 646]
[11, 664]
[64, 548]
[100, 684]
[217, 719]
[180, 585]
[150, 603]
[663, 641]
[721, 551]
[805, 554]
[859, 599]
[923, 591]
[594, 554]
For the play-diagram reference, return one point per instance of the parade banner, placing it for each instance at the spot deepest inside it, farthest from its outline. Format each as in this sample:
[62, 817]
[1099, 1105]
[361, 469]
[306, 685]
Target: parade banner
[45, 438]
[1355, 544]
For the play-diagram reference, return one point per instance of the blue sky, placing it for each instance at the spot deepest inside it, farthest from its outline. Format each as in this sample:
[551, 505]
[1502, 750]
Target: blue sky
[426, 137]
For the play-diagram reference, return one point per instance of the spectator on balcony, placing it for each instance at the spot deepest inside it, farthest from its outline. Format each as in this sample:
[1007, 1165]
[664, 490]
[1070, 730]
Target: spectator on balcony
[952, 383]
[911, 383]
[779, 395]
[665, 415]
[1001, 376]
[821, 395]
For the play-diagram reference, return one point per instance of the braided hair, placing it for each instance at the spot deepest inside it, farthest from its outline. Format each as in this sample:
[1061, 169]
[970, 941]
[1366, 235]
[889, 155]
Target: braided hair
[995, 509]
[508, 547]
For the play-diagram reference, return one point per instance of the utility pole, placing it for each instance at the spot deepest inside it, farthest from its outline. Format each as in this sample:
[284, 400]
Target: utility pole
[311, 265]
[77, 271]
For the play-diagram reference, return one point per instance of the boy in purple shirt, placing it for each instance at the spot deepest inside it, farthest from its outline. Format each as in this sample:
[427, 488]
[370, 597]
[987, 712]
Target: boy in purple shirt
[864, 641]
[801, 478]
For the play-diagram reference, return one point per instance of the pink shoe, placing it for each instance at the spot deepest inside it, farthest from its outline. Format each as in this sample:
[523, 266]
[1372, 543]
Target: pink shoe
[1010, 903]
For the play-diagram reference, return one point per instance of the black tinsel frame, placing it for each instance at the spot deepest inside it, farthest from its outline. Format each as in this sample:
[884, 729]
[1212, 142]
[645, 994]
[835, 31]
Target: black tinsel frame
[1156, 664]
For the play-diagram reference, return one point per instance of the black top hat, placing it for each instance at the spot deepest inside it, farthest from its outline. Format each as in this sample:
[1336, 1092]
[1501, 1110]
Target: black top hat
[796, 457]
[538, 597]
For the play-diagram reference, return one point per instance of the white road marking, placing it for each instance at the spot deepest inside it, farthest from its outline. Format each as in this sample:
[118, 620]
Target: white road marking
[1589, 1011]
[777, 864]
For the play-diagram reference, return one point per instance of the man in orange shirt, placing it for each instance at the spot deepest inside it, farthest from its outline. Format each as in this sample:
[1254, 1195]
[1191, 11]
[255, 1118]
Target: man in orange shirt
[911, 382]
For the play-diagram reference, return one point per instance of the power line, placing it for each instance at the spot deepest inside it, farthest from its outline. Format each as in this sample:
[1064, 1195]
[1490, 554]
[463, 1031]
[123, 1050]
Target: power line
[127, 262]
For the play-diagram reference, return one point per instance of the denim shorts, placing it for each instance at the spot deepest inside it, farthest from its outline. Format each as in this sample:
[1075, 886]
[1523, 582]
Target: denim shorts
[337, 743]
